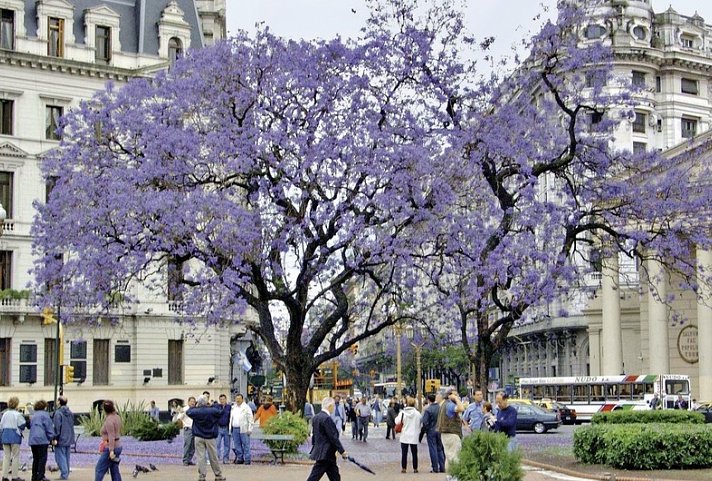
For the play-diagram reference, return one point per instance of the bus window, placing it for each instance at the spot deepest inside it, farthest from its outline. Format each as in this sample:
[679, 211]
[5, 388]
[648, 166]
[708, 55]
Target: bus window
[581, 394]
[611, 392]
[550, 391]
[597, 393]
[649, 388]
[625, 391]
[639, 391]
[677, 387]
[539, 392]
[526, 392]
[563, 395]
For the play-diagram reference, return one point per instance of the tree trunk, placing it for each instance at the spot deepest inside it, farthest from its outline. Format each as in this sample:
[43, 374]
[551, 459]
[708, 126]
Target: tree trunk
[481, 362]
[298, 377]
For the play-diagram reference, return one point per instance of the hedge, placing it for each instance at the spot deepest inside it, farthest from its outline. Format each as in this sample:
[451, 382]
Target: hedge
[645, 417]
[645, 446]
[484, 457]
[287, 423]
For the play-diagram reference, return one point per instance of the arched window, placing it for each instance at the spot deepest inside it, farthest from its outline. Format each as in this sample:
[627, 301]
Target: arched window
[175, 50]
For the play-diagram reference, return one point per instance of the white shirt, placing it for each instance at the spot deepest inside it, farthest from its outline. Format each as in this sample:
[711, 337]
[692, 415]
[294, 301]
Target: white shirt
[411, 419]
[187, 421]
[240, 417]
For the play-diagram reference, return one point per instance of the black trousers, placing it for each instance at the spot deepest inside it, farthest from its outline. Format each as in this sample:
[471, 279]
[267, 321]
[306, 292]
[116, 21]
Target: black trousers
[390, 431]
[39, 461]
[326, 466]
[404, 455]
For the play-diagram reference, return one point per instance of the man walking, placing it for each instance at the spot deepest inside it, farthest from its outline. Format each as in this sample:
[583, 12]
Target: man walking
[474, 415]
[325, 443]
[339, 414]
[363, 413]
[240, 426]
[450, 426]
[435, 444]
[205, 431]
[377, 408]
[64, 429]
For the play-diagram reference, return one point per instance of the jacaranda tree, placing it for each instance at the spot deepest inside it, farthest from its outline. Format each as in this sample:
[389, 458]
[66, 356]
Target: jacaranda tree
[322, 191]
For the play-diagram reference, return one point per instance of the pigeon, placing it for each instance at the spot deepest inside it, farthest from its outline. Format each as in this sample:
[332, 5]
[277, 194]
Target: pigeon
[135, 472]
[23, 467]
[153, 467]
[52, 468]
[143, 469]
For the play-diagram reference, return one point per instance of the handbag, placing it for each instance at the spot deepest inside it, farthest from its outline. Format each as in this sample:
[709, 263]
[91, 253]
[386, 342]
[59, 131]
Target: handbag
[399, 425]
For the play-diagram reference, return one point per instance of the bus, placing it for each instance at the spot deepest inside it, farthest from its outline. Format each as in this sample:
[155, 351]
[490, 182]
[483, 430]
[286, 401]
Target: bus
[591, 394]
[385, 389]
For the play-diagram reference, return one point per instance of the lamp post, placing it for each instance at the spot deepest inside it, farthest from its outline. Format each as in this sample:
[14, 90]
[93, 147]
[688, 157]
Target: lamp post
[398, 331]
[418, 345]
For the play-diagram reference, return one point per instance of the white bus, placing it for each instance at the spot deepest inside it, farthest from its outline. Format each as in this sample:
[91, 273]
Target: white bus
[591, 394]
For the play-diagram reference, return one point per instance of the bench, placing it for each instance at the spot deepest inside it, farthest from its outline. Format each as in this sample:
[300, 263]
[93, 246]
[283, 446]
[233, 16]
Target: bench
[279, 443]
[78, 431]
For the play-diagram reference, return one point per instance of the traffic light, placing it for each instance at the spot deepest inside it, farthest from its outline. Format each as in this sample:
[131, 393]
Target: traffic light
[68, 374]
[250, 389]
[354, 349]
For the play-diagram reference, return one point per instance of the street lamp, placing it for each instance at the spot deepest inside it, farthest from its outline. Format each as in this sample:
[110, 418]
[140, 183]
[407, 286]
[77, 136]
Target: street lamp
[418, 345]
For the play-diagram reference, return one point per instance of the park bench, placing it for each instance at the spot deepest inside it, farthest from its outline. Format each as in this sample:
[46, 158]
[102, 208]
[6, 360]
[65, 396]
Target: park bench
[278, 443]
[78, 431]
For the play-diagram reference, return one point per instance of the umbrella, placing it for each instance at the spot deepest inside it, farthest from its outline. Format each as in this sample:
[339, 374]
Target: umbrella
[362, 466]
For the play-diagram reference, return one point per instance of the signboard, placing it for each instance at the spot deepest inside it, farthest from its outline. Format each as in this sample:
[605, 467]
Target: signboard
[687, 344]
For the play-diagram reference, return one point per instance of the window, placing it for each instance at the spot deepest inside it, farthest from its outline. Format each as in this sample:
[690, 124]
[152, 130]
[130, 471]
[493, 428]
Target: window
[50, 361]
[50, 184]
[658, 84]
[594, 118]
[122, 353]
[689, 128]
[580, 393]
[5, 344]
[6, 192]
[689, 86]
[78, 360]
[175, 361]
[28, 363]
[101, 362]
[639, 123]
[595, 78]
[52, 115]
[5, 270]
[103, 44]
[639, 79]
[639, 147]
[55, 37]
[595, 31]
[175, 278]
[660, 125]
[639, 32]
[7, 29]
[687, 42]
[175, 50]
[6, 117]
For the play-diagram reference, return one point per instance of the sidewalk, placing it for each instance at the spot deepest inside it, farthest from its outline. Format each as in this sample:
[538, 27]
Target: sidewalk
[263, 472]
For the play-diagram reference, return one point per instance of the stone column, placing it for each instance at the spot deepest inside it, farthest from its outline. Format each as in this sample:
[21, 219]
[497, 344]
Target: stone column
[658, 341]
[704, 322]
[611, 336]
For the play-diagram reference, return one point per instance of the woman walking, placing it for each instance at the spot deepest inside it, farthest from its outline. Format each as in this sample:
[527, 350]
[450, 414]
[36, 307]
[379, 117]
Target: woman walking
[41, 434]
[411, 420]
[11, 426]
[110, 447]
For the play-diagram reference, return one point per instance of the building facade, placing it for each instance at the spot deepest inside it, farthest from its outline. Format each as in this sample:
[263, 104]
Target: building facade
[54, 54]
[614, 324]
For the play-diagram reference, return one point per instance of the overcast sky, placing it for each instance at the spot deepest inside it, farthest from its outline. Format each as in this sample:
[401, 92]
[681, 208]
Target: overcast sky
[508, 21]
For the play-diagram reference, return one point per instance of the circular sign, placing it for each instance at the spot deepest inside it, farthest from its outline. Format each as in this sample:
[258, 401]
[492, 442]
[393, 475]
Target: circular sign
[687, 344]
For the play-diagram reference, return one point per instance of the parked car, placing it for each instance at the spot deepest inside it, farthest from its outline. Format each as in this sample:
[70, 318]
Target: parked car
[706, 411]
[566, 414]
[533, 418]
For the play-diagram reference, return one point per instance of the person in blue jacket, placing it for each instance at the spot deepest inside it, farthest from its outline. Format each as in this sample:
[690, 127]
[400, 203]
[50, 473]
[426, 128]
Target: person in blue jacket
[205, 430]
[41, 435]
[506, 420]
[64, 429]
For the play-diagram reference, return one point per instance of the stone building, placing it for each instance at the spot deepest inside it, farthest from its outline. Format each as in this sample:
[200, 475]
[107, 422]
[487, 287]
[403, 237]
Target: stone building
[613, 324]
[53, 54]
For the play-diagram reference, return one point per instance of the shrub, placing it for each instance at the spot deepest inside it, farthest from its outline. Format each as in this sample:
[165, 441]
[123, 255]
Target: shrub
[652, 416]
[92, 424]
[485, 457]
[287, 423]
[645, 446]
[14, 294]
[132, 416]
[148, 429]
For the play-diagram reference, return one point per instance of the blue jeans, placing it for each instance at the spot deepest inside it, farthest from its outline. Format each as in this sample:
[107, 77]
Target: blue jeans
[377, 417]
[241, 446]
[436, 451]
[188, 445]
[61, 455]
[105, 464]
[363, 427]
[223, 444]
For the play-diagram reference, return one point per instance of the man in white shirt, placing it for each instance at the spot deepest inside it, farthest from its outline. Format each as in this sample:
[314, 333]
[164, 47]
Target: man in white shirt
[188, 441]
[240, 428]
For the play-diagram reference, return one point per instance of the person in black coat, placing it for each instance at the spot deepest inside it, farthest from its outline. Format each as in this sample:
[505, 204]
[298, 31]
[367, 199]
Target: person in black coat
[325, 444]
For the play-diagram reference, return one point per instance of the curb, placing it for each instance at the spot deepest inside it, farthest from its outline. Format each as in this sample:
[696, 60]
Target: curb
[598, 477]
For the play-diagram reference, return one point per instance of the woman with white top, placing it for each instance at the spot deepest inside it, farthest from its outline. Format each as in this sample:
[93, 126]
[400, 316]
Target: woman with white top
[410, 418]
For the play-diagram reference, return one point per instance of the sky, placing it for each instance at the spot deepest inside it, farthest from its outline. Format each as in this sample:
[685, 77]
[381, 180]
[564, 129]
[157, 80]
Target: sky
[508, 21]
